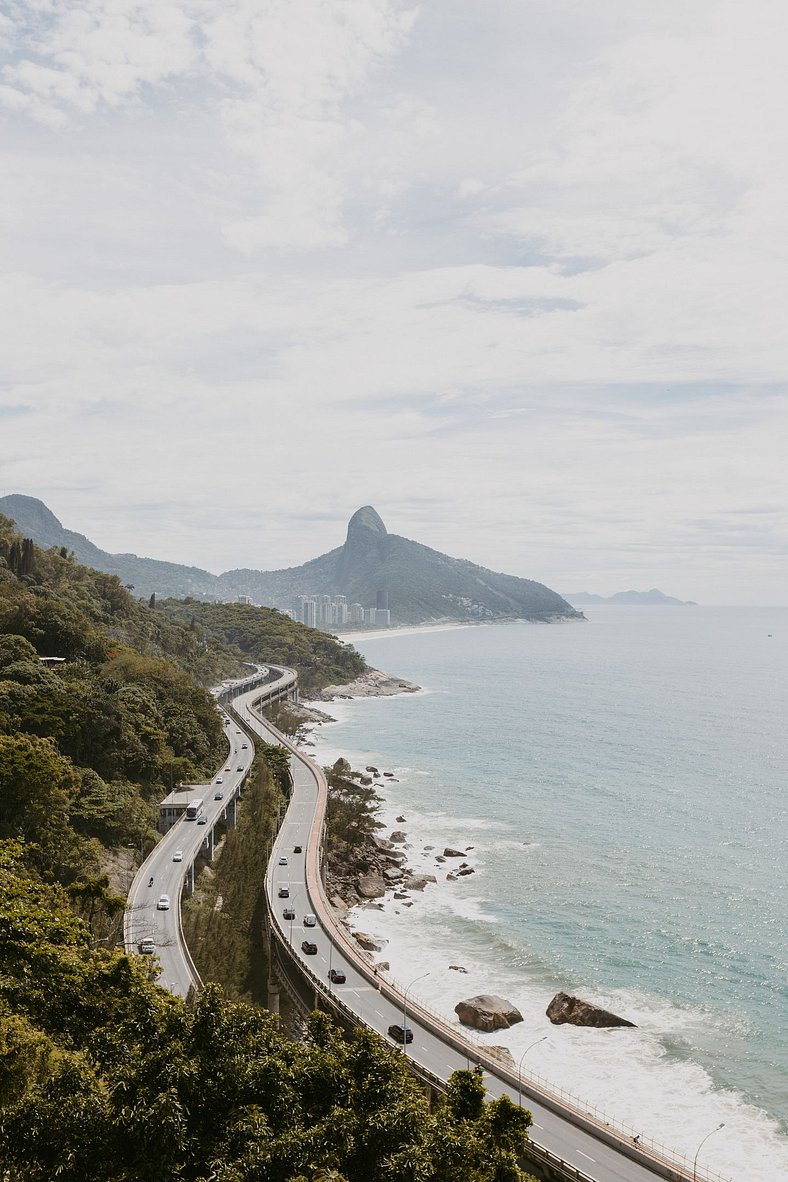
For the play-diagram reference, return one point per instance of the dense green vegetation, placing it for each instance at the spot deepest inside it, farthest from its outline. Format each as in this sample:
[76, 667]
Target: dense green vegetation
[319, 658]
[223, 921]
[104, 1075]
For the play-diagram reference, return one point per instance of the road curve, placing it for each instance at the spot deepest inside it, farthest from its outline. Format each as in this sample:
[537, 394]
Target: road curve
[587, 1147]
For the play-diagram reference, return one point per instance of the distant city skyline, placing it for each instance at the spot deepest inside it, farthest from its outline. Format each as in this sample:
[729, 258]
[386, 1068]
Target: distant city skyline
[511, 273]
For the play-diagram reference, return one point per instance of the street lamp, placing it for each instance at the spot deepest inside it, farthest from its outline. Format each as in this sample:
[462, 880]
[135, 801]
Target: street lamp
[520, 1072]
[721, 1125]
[405, 1010]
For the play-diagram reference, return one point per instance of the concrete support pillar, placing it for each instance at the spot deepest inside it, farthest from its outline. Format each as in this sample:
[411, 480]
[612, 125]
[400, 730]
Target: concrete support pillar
[273, 995]
[188, 885]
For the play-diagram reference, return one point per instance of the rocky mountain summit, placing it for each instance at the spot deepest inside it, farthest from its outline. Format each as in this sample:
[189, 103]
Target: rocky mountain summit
[423, 585]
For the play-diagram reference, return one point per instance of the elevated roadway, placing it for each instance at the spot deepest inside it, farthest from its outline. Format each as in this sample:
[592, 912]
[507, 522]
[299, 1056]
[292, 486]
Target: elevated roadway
[567, 1142]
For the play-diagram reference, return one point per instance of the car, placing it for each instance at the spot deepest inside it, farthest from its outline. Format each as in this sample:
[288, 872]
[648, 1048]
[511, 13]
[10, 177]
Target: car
[309, 948]
[244, 746]
[177, 856]
[400, 1033]
[296, 849]
[284, 892]
[289, 913]
[219, 780]
[237, 732]
[239, 768]
[202, 819]
[228, 769]
[283, 861]
[147, 946]
[310, 921]
[163, 903]
[336, 976]
[218, 795]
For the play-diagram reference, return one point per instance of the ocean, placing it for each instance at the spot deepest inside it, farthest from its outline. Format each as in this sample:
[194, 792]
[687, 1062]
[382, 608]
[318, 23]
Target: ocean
[619, 787]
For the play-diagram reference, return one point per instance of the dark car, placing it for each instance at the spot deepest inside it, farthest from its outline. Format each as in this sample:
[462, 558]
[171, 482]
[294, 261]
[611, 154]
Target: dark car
[337, 976]
[289, 913]
[239, 768]
[284, 892]
[296, 849]
[401, 1033]
[309, 948]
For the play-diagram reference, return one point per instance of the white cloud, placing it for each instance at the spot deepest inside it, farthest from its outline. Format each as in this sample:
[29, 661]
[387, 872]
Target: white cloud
[517, 272]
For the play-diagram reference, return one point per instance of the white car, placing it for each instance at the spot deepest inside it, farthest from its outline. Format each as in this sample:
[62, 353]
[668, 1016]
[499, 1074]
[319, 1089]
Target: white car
[177, 856]
[219, 780]
[310, 921]
[163, 903]
[147, 946]
[283, 861]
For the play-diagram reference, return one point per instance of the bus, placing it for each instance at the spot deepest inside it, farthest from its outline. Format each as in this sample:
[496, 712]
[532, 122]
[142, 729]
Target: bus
[193, 810]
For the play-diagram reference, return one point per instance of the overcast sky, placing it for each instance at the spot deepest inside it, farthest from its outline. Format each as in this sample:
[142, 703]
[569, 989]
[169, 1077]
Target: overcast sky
[511, 271]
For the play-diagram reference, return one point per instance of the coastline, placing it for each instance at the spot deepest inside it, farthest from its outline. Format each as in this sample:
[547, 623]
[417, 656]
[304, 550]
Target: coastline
[465, 928]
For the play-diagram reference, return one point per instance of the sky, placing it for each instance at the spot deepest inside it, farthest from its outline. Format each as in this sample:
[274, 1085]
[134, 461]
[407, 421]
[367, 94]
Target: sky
[511, 271]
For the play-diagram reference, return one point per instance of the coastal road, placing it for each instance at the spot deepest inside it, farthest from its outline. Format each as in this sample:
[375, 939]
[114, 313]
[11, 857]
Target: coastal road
[187, 839]
[586, 1145]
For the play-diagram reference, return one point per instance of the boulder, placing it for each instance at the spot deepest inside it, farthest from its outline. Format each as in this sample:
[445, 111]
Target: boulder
[451, 877]
[370, 886]
[370, 768]
[395, 856]
[342, 767]
[401, 895]
[365, 780]
[487, 1012]
[467, 870]
[450, 853]
[458, 968]
[398, 836]
[439, 858]
[401, 820]
[368, 943]
[382, 966]
[418, 882]
[393, 874]
[429, 847]
[564, 1008]
[389, 775]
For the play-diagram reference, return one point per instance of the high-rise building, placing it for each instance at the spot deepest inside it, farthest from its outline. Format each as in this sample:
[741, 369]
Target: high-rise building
[356, 613]
[382, 600]
[382, 617]
[310, 613]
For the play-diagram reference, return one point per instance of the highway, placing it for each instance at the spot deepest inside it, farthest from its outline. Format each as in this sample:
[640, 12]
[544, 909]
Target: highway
[187, 839]
[590, 1148]
[581, 1146]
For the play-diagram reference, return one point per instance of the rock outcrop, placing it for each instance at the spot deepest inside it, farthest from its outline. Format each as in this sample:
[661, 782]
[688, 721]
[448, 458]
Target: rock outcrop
[487, 1012]
[368, 943]
[564, 1008]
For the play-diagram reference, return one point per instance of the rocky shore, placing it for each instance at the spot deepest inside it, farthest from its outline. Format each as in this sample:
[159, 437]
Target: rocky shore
[371, 684]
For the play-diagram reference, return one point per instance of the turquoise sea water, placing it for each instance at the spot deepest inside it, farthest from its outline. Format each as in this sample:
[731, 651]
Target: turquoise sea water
[622, 784]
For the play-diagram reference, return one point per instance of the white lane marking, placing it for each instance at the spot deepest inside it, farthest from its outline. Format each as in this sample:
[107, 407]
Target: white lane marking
[536, 1126]
[580, 1151]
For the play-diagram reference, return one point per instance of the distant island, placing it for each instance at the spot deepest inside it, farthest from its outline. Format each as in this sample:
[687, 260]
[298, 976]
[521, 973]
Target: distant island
[388, 578]
[626, 598]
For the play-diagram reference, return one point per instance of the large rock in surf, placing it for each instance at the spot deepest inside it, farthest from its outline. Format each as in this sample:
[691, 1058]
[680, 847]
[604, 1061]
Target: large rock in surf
[564, 1008]
[370, 886]
[341, 767]
[367, 942]
[487, 1012]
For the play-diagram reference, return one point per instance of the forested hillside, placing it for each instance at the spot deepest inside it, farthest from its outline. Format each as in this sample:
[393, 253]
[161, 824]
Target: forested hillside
[319, 658]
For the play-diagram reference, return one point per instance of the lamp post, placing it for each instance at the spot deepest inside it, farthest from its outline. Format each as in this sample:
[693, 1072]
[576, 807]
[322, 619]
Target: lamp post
[721, 1125]
[405, 1009]
[520, 1070]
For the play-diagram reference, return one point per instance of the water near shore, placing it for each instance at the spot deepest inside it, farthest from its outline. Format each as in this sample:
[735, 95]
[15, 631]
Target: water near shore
[622, 784]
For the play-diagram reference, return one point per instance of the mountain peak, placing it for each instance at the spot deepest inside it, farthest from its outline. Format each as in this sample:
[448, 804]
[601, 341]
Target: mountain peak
[366, 518]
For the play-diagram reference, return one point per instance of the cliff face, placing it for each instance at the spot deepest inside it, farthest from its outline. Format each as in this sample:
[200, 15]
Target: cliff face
[422, 583]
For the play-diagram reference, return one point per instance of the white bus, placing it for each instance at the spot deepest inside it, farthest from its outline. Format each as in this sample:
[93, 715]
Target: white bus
[193, 810]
